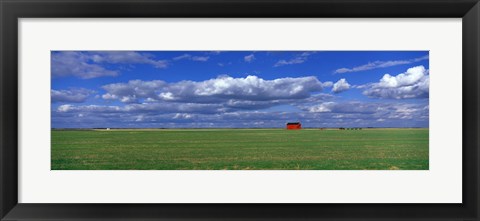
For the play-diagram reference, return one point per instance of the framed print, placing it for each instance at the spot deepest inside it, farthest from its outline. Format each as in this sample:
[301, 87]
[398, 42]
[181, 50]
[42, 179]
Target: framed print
[225, 110]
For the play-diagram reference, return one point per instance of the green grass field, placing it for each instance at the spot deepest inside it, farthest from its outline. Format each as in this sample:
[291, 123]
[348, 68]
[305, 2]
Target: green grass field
[240, 149]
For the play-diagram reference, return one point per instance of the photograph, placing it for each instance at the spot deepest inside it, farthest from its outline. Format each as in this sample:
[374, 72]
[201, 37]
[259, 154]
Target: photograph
[239, 110]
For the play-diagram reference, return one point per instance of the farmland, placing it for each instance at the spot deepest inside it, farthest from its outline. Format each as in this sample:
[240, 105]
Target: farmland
[240, 149]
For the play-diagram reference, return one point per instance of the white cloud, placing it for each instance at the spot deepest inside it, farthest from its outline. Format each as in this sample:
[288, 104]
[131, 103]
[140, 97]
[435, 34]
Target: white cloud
[379, 64]
[77, 95]
[133, 90]
[64, 108]
[249, 58]
[298, 59]
[323, 107]
[220, 89]
[327, 84]
[182, 116]
[341, 85]
[414, 83]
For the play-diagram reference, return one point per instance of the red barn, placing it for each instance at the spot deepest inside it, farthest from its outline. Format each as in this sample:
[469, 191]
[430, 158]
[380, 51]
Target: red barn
[294, 126]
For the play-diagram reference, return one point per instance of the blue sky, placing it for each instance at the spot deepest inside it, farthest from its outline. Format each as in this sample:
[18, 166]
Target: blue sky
[238, 89]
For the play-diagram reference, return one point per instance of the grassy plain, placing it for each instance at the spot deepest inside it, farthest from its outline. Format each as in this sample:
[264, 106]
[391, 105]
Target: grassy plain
[240, 149]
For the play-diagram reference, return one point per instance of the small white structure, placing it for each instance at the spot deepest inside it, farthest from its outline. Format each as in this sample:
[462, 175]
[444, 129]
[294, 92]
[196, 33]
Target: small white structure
[108, 128]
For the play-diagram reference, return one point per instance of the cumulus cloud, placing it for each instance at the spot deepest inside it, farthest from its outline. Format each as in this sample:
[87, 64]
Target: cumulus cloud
[379, 64]
[340, 86]
[414, 83]
[77, 95]
[322, 108]
[64, 108]
[88, 65]
[182, 116]
[249, 58]
[298, 59]
[133, 91]
[327, 84]
[220, 89]
[145, 99]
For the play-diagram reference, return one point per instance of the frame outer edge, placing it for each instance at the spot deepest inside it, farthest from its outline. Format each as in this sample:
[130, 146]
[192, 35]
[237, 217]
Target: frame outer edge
[476, 64]
[2, 213]
[8, 109]
[471, 115]
[3, 210]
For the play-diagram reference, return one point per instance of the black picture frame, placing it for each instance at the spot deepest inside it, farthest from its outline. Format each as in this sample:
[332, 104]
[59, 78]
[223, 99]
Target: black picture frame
[12, 10]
